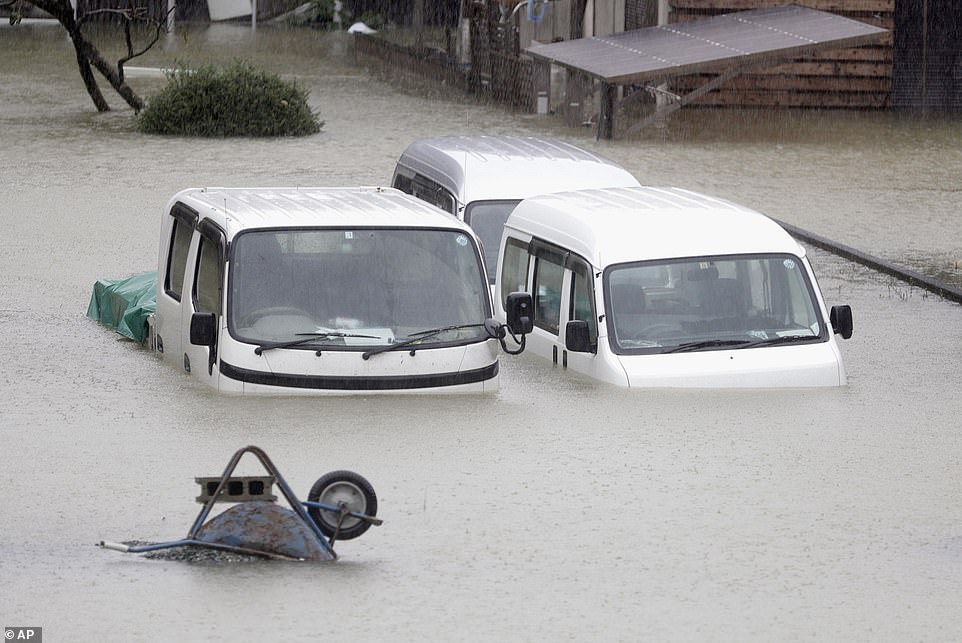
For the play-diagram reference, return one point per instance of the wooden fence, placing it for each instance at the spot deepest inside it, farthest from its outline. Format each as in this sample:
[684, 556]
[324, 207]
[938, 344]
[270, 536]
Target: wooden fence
[850, 77]
[426, 62]
[498, 71]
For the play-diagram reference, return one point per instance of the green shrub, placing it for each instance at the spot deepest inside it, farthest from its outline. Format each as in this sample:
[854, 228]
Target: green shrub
[322, 12]
[236, 100]
[315, 13]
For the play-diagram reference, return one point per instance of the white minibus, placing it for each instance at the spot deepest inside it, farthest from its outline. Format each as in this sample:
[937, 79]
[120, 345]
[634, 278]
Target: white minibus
[482, 178]
[661, 287]
[323, 290]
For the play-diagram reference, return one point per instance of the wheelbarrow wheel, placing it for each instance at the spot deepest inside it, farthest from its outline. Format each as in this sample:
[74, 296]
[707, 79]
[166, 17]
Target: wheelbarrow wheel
[349, 488]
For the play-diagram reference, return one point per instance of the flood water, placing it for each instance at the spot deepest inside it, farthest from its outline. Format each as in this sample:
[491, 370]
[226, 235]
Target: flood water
[556, 509]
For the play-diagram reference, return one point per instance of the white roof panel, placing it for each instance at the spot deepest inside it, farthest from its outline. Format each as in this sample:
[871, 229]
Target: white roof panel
[615, 225]
[510, 167]
[236, 209]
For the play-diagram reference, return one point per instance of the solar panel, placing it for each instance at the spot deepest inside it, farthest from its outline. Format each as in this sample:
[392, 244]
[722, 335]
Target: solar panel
[744, 37]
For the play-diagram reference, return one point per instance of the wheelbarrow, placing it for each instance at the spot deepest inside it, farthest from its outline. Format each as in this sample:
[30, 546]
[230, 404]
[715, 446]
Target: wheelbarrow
[341, 505]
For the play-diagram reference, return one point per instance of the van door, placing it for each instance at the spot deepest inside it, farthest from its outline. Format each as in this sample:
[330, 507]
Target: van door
[206, 296]
[177, 233]
[547, 290]
[580, 303]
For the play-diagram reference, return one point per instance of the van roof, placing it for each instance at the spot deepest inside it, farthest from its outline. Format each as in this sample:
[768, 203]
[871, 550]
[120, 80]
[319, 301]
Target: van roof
[236, 209]
[510, 167]
[610, 226]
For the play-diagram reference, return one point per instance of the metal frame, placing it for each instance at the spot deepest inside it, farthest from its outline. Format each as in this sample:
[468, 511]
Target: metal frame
[676, 102]
[581, 57]
[296, 505]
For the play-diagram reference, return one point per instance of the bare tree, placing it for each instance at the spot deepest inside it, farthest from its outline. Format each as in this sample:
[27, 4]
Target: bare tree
[88, 56]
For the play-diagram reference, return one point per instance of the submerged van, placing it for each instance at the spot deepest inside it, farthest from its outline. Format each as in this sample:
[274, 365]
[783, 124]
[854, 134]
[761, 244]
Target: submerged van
[320, 290]
[482, 178]
[662, 287]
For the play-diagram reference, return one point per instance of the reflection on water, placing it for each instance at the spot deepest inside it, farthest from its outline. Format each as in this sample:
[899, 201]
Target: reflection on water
[558, 508]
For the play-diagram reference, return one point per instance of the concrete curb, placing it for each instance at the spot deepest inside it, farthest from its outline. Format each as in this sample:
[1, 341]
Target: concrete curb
[910, 276]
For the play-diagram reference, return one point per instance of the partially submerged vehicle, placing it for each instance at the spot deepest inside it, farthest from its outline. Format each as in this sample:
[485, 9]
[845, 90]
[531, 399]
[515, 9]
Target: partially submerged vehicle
[313, 290]
[662, 287]
[482, 178]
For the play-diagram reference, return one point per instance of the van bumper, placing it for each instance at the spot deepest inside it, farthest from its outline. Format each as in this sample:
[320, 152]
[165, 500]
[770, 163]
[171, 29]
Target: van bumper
[817, 365]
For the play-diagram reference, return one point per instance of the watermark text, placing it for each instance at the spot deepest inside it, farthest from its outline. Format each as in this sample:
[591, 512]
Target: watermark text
[31, 634]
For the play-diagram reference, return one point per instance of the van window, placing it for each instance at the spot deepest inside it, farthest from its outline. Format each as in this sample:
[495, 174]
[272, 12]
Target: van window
[548, 277]
[582, 304]
[209, 278]
[436, 195]
[487, 219]
[711, 302]
[427, 190]
[514, 273]
[177, 258]
[403, 183]
[366, 286]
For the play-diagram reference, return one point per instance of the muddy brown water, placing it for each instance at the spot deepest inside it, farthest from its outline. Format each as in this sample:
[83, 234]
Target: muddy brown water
[556, 509]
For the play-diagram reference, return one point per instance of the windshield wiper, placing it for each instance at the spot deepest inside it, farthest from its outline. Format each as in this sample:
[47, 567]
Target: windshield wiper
[266, 346]
[708, 343]
[739, 343]
[414, 338]
[785, 339]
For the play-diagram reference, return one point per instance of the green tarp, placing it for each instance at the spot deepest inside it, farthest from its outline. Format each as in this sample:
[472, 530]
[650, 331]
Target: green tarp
[124, 304]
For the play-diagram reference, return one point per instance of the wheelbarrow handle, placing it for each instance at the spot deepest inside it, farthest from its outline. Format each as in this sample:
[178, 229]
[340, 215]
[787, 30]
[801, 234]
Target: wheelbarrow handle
[114, 546]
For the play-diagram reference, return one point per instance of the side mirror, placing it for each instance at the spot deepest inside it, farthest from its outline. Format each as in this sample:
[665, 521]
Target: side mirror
[518, 307]
[203, 329]
[841, 319]
[577, 337]
[494, 329]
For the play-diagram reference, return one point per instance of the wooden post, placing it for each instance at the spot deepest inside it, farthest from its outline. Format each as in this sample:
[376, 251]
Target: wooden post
[576, 21]
[606, 115]
[577, 90]
[418, 20]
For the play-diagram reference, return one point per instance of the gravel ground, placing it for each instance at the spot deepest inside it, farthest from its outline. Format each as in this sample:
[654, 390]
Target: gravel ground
[195, 554]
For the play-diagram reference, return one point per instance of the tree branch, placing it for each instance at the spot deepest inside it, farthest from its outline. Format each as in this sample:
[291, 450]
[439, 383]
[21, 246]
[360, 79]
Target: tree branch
[131, 17]
[88, 55]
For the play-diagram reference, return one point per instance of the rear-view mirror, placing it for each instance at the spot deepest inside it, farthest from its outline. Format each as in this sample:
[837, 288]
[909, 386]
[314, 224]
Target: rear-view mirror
[203, 329]
[841, 319]
[518, 309]
[577, 336]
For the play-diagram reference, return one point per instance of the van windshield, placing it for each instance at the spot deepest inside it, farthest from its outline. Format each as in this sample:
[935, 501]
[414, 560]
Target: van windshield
[487, 219]
[710, 303]
[355, 288]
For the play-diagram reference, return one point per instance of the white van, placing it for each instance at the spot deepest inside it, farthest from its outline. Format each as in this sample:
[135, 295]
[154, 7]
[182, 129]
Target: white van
[482, 178]
[662, 287]
[322, 290]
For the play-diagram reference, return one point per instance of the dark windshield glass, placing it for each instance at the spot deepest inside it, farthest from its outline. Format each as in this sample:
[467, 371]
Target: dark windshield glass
[710, 303]
[379, 284]
[487, 219]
